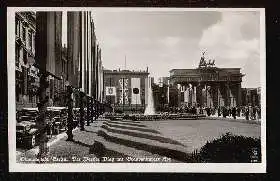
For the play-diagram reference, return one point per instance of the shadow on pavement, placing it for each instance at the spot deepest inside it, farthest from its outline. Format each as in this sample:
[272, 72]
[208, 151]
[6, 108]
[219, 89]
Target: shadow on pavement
[142, 135]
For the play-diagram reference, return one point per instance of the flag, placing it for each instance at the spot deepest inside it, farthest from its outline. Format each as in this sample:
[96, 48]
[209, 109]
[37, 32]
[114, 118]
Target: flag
[110, 91]
[123, 99]
[135, 91]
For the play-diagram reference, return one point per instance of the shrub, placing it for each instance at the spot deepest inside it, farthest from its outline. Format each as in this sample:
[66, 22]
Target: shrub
[231, 148]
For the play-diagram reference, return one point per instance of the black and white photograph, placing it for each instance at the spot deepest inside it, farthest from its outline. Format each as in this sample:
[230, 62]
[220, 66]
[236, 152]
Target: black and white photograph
[136, 89]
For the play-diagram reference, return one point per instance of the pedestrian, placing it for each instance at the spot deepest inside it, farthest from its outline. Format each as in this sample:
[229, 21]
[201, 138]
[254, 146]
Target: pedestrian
[224, 112]
[229, 111]
[259, 112]
[208, 111]
[250, 113]
[238, 111]
[219, 111]
[247, 113]
[254, 112]
[233, 112]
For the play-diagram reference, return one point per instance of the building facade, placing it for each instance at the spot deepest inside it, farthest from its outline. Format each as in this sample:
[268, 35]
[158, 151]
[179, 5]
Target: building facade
[207, 85]
[84, 56]
[39, 48]
[27, 80]
[27, 71]
[251, 96]
[125, 90]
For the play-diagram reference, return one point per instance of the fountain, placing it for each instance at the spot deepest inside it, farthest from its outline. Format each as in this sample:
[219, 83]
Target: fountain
[150, 109]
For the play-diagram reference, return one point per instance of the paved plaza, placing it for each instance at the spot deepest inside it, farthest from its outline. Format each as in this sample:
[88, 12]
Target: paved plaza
[195, 133]
[169, 140]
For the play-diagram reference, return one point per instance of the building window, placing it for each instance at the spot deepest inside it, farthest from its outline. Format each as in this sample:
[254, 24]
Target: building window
[23, 35]
[18, 90]
[30, 40]
[24, 57]
[30, 98]
[17, 55]
[17, 28]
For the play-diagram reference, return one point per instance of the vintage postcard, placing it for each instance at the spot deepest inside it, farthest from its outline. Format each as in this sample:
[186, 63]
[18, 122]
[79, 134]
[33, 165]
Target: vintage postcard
[136, 90]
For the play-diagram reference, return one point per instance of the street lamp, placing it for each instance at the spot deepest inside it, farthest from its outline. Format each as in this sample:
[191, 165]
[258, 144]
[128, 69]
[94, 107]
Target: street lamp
[69, 92]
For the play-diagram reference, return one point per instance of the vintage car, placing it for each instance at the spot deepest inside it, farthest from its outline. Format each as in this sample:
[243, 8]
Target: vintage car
[58, 118]
[30, 115]
[26, 134]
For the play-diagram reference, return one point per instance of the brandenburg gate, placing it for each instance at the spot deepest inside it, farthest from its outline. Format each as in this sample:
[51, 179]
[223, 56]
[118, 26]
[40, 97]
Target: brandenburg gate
[207, 85]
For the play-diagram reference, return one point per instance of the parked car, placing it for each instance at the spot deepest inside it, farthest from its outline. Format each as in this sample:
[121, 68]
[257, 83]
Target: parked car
[30, 115]
[27, 134]
[58, 117]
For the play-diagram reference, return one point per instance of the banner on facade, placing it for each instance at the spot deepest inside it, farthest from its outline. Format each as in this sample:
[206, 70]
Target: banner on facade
[123, 83]
[110, 91]
[135, 91]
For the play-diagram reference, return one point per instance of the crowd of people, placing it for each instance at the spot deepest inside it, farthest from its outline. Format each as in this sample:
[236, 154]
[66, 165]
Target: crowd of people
[248, 112]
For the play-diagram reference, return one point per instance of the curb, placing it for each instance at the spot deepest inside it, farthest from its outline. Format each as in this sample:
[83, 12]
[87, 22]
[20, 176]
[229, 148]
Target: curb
[35, 150]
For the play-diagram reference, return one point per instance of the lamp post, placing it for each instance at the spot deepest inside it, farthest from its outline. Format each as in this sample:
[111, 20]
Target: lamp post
[42, 108]
[70, 111]
[88, 107]
[123, 92]
[91, 109]
[82, 111]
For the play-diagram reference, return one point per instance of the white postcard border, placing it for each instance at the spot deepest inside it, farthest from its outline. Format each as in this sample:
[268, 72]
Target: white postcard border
[127, 167]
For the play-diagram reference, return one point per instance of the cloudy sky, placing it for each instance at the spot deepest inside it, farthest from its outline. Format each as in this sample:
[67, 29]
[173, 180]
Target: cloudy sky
[169, 40]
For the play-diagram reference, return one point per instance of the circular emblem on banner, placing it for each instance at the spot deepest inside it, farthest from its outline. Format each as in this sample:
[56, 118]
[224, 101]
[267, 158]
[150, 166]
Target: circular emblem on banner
[110, 90]
[135, 90]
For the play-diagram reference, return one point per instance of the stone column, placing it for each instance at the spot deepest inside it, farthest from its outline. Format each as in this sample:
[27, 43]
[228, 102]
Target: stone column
[199, 96]
[238, 96]
[194, 95]
[186, 96]
[190, 95]
[167, 92]
[179, 94]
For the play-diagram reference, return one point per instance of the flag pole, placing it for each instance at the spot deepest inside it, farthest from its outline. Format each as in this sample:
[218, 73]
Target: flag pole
[125, 62]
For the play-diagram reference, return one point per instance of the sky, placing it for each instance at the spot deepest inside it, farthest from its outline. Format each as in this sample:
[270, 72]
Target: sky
[165, 40]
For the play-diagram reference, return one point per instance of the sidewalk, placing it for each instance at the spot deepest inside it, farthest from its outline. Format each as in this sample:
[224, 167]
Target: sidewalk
[114, 141]
[61, 149]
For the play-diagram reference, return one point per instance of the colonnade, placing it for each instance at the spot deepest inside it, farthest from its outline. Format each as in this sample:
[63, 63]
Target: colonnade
[209, 94]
